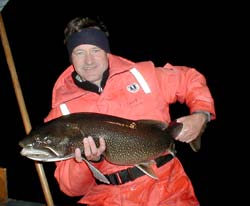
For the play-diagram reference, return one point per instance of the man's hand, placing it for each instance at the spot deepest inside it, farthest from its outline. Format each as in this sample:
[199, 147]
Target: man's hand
[193, 126]
[91, 151]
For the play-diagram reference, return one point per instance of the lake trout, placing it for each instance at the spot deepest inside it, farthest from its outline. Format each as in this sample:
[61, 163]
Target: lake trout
[128, 142]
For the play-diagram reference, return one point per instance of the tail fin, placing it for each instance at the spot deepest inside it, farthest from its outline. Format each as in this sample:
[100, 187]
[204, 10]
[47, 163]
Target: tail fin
[196, 144]
[176, 127]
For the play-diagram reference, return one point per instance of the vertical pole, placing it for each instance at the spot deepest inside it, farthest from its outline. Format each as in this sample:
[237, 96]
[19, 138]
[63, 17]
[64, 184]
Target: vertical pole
[22, 107]
[3, 185]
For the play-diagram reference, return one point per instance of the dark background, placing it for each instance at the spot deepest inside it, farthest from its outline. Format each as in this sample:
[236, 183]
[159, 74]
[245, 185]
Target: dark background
[193, 37]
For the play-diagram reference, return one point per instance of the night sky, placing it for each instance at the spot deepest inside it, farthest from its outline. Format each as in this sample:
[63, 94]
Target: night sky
[193, 38]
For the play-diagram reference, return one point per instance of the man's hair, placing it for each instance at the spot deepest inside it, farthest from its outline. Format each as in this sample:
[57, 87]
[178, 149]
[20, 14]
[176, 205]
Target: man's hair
[79, 23]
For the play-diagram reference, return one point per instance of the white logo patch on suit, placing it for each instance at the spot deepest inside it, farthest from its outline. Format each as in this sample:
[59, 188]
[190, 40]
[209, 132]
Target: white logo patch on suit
[133, 88]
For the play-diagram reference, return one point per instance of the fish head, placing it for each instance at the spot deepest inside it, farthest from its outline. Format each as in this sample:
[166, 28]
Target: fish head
[49, 143]
[46, 149]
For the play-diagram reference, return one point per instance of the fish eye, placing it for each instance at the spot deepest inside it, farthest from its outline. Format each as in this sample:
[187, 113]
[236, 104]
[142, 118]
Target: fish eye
[48, 141]
[37, 139]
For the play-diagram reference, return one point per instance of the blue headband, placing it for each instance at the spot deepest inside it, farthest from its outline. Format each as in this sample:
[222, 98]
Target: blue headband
[88, 36]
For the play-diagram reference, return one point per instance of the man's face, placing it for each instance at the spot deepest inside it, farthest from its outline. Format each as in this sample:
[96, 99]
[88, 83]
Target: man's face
[89, 62]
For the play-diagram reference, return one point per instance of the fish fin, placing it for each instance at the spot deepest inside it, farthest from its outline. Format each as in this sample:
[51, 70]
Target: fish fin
[97, 174]
[172, 149]
[147, 169]
[196, 144]
[174, 128]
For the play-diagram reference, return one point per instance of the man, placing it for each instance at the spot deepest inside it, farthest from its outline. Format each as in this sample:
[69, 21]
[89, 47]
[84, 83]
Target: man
[98, 81]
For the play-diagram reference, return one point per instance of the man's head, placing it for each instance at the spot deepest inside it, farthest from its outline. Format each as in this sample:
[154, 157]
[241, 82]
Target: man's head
[92, 36]
[87, 43]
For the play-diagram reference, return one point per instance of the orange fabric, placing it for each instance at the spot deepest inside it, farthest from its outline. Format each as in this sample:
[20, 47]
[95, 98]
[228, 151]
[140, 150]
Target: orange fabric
[172, 189]
[168, 85]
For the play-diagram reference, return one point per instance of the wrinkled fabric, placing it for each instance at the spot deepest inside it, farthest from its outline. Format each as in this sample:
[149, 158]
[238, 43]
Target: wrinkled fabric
[168, 85]
[172, 189]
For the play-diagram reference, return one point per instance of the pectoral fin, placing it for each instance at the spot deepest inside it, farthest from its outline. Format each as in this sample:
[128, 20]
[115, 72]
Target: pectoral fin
[147, 169]
[97, 174]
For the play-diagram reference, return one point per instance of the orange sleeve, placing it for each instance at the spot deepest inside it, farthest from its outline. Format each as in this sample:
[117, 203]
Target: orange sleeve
[54, 113]
[186, 85]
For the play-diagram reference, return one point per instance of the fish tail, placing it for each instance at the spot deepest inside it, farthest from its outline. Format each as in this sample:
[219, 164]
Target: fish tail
[174, 128]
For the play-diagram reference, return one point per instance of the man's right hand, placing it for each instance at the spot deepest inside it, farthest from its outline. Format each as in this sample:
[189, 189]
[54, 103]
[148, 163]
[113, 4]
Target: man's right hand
[91, 151]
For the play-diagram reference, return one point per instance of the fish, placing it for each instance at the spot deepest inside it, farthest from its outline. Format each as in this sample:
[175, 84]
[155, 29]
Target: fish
[128, 142]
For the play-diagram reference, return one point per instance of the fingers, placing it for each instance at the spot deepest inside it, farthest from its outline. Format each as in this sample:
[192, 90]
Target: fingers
[187, 134]
[91, 151]
[192, 128]
[102, 146]
[78, 155]
[89, 147]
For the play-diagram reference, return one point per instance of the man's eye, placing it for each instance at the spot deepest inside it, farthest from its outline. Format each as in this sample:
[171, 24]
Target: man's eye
[79, 53]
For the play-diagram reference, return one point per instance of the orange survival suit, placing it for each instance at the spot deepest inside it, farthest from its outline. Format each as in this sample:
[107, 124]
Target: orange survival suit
[133, 91]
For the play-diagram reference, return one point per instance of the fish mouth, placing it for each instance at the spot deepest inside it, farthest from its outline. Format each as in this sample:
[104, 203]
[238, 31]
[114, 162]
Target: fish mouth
[38, 155]
[45, 155]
